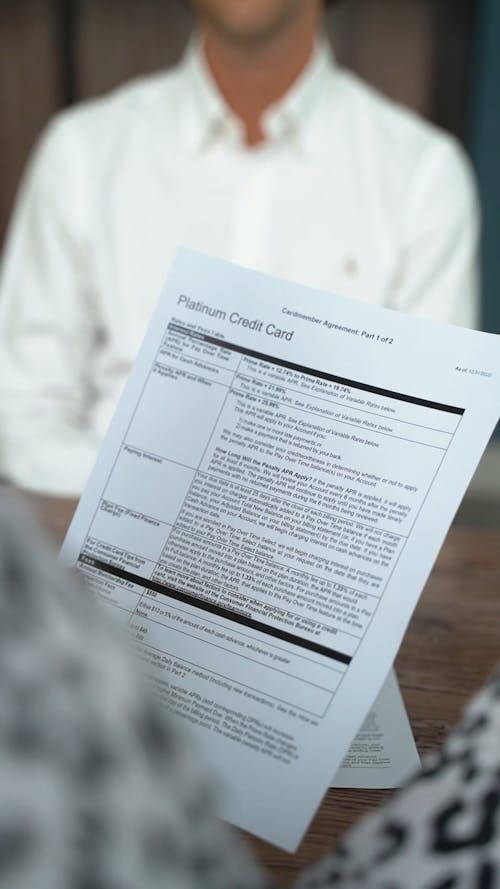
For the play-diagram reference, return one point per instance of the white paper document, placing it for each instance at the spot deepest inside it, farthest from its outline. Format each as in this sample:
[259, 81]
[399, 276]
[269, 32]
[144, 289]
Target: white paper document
[383, 753]
[270, 498]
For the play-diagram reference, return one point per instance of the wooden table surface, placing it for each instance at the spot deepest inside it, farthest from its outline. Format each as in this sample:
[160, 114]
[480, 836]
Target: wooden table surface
[452, 644]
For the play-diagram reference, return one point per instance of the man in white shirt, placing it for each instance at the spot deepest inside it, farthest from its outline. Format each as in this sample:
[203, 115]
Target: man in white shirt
[257, 149]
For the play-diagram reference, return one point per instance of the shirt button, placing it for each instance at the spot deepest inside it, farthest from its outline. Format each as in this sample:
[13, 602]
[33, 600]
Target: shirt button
[350, 267]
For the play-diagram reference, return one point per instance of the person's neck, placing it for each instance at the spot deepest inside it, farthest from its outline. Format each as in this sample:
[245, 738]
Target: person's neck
[251, 78]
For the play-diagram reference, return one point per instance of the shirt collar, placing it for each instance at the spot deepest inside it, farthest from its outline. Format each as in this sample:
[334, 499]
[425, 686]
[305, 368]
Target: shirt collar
[207, 118]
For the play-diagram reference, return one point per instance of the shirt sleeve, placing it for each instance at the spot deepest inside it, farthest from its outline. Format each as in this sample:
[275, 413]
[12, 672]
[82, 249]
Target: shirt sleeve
[48, 326]
[438, 274]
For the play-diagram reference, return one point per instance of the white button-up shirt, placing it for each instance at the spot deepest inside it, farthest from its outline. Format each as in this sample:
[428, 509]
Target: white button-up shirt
[349, 193]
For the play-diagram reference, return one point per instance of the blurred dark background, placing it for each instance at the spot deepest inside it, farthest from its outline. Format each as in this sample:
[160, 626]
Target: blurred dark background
[439, 57]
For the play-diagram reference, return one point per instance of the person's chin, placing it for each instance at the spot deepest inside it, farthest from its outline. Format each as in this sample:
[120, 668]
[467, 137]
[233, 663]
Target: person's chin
[247, 22]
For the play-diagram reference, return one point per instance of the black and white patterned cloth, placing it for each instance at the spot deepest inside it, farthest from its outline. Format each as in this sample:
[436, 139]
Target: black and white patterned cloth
[100, 790]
